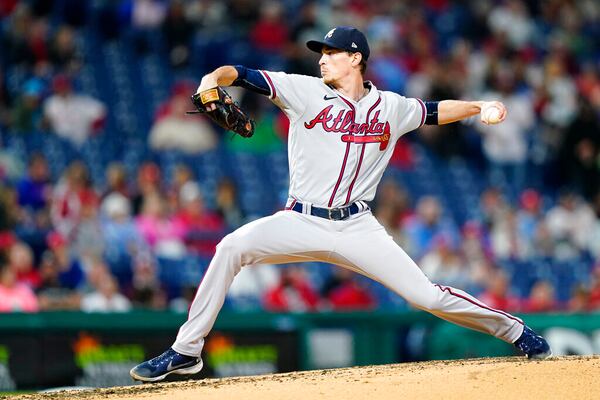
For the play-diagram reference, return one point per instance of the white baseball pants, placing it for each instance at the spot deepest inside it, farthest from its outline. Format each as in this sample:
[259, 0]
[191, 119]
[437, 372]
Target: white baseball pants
[359, 243]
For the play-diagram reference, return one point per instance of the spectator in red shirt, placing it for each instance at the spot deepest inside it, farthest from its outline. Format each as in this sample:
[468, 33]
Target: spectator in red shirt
[37, 40]
[200, 229]
[20, 260]
[293, 293]
[7, 7]
[182, 88]
[270, 34]
[71, 194]
[497, 294]
[541, 299]
[345, 293]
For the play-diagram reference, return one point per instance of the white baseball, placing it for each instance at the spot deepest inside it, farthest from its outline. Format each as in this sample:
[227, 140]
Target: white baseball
[491, 114]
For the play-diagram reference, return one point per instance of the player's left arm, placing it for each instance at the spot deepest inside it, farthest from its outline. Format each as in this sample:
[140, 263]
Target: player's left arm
[413, 113]
[455, 110]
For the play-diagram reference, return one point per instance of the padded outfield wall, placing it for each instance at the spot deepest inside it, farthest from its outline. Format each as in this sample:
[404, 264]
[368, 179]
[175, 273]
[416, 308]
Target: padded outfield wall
[97, 350]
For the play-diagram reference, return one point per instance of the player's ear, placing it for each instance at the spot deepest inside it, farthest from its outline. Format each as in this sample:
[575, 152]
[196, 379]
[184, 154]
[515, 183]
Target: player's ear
[356, 59]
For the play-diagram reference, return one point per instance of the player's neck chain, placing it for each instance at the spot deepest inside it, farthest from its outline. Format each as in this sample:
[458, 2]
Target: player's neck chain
[364, 94]
[366, 90]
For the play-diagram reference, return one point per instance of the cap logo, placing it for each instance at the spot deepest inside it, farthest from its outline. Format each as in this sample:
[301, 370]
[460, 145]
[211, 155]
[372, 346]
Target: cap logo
[354, 46]
[330, 33]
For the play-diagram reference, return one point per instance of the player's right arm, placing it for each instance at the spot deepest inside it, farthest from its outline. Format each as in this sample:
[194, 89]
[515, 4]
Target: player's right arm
[287, 91]
[222, 76]
[238, 75]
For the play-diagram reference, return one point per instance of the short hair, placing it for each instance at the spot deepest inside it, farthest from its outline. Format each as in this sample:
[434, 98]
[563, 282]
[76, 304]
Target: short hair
[362, 64]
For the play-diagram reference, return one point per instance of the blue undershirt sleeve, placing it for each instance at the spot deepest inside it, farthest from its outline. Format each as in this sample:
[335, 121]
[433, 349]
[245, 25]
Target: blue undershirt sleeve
[432, 112]
[251, 79]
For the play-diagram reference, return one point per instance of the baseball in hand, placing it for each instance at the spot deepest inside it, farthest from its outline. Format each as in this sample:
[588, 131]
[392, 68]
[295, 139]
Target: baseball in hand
[493, 112]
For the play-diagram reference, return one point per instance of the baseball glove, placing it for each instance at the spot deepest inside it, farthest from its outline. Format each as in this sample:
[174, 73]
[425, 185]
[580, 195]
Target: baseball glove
[227, 114]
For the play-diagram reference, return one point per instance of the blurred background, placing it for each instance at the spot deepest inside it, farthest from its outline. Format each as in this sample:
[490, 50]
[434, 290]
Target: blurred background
[112, 199]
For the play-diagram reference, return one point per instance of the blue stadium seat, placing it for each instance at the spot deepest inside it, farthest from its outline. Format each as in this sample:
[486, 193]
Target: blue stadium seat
[176, 274]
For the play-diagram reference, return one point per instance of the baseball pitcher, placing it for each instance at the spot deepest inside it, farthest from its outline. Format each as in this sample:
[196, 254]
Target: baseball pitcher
[342, 134]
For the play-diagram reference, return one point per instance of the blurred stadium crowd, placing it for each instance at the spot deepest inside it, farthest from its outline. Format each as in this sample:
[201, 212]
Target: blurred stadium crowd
[112, 198]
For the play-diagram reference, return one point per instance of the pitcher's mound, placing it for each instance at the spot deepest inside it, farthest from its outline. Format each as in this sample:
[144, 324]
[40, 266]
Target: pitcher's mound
[484, 378]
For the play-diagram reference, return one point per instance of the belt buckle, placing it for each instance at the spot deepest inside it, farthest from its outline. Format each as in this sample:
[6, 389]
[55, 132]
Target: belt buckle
[336, 214]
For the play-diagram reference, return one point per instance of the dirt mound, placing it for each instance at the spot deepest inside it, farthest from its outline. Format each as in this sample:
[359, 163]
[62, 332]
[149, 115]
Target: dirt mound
[483, 378]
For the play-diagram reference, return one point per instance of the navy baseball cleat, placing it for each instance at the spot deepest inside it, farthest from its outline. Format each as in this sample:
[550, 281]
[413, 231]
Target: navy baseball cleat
[169, 362]
[533, 345]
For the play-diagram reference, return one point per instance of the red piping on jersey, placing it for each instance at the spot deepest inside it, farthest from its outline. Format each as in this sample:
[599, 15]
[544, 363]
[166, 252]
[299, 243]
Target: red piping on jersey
[449, 290]
[337, 185]
[362, 153]
[270, 84]
[291, 205]
[424, 112]
[341, 175]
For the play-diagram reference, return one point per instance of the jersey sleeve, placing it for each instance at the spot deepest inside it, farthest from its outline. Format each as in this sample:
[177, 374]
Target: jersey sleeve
[411, 113]
[290, 92]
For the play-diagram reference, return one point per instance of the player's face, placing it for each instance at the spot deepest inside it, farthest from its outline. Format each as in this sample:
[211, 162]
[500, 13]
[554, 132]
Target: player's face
[335, 64]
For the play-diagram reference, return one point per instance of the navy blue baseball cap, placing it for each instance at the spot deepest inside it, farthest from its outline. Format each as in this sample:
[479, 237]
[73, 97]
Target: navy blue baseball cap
[344, 38]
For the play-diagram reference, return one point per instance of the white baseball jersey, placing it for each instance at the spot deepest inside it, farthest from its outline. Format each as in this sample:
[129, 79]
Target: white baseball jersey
[338, 148]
